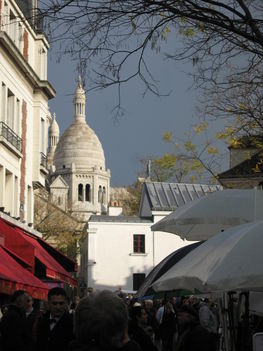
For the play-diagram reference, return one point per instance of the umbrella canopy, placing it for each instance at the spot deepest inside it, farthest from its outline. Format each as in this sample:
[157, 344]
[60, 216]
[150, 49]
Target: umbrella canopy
[202, 218]
[230, 260]
[168, 262]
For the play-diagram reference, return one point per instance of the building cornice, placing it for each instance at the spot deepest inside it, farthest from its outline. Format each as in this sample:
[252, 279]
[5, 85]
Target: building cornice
[20, 62]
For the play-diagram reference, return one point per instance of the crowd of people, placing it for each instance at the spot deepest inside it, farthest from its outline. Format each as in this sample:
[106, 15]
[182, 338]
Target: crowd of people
[106, 321]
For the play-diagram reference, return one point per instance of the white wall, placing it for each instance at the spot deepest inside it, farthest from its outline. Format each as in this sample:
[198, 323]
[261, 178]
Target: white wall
[109, 249]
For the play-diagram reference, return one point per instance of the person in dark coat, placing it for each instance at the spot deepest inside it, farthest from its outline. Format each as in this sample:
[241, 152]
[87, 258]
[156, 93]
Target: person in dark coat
[138, 331]
[55, 328]
[101, 324]
[168, 327]
[32, 316]
[15, 334]
[192, 336]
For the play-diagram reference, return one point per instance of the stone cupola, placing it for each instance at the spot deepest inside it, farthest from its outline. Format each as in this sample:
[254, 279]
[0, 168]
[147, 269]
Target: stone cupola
[53, 140]
[79, 101]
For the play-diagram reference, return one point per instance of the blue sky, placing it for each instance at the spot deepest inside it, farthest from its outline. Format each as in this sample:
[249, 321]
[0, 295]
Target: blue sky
[138, 133]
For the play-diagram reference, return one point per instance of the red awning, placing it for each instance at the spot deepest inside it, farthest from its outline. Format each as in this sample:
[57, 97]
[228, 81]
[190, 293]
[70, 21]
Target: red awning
[53, 269]
[67, 263]
[14, 277]
[16, 244]
[26, 248]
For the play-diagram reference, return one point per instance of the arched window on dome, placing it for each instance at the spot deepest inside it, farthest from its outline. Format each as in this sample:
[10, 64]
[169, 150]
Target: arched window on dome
[100, 194]
[104, 195]
[80, 192]
[87, 193]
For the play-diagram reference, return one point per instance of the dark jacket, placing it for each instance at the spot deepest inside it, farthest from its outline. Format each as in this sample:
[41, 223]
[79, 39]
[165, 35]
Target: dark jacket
[15, 334]
[130, 346]
[32, 321]
[140, 337]
[193, 337]
[56, 339]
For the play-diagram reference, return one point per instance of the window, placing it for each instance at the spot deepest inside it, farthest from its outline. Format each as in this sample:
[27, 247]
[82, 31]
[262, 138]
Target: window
[12, 27]
[100, 194]
[5, 18]
[18, 118]
[10, 109]
[87, 193]
[138, 279]
[3, 102]
[80, 192]
[42, 135]
[20, 37]
[138, 243]
[104, 195]
[43, 63]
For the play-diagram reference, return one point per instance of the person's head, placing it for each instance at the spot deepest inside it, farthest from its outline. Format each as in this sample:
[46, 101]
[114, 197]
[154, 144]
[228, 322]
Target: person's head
[44, 306]
[186, 315]
[185, 300]
[148, 304]
[4, 309]
[29, 306]
[173, 300]
[20, 299]
[57, 301]
[101, 318]
[169, 308]
[90, 291]
[139, 315]
[76, 300]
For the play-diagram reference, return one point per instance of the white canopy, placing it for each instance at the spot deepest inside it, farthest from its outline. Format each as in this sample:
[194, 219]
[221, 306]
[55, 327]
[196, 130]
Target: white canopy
[202, 218]
[230, 260]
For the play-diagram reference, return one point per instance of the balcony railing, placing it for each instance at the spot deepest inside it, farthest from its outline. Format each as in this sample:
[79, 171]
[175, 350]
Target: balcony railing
[9, 135]
[43, 160]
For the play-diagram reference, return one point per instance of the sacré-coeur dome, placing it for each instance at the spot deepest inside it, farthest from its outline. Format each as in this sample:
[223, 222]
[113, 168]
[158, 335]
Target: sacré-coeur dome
[79, 144]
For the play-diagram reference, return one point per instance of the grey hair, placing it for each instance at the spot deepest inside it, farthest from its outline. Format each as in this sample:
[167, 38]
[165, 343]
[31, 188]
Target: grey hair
[101, 319]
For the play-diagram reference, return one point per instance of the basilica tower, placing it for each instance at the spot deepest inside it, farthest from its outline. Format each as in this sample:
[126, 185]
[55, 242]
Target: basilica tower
[79, 166]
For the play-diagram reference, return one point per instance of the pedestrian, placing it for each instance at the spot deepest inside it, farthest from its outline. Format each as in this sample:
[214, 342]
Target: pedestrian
[168, 327]
[138, 329]
[209, 321]
[15, 334]
[55, 327]
[192, 336]
[101, 324]
[32, 316]
[74, 304]
[151, 320]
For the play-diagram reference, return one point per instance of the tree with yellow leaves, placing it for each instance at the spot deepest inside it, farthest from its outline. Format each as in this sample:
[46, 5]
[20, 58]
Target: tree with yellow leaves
[58, 227]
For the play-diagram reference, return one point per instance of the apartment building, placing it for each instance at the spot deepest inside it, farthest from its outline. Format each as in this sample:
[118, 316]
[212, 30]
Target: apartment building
[24, 113]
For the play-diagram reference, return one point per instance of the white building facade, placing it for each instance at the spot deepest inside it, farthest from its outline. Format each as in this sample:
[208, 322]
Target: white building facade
[120, 251]
[24, 114]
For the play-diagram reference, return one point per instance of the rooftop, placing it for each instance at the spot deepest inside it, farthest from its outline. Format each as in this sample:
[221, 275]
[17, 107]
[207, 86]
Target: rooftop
[122, 219]
[169, 196]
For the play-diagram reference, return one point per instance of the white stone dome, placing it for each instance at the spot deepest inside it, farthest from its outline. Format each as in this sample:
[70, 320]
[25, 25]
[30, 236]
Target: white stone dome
[79, 145]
